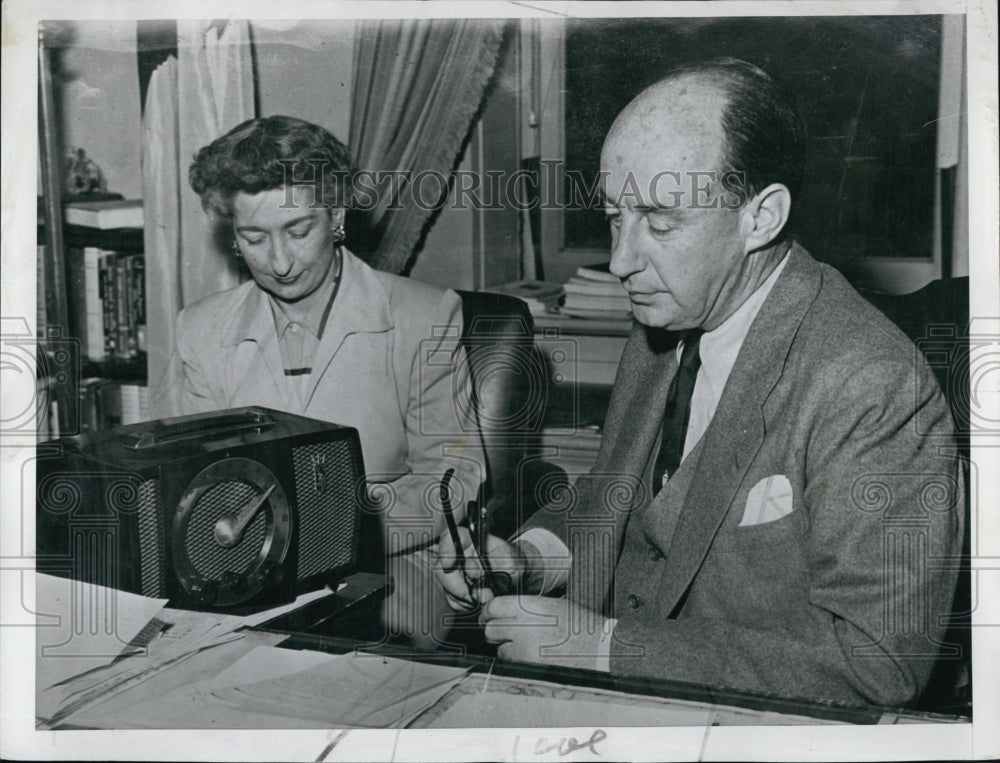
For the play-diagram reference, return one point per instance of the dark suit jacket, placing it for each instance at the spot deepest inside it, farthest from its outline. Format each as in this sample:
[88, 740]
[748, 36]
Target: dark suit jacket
[840, 598]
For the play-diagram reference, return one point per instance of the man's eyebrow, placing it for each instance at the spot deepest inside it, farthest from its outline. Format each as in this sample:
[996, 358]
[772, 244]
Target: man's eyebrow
[660, 209]
[290, 224]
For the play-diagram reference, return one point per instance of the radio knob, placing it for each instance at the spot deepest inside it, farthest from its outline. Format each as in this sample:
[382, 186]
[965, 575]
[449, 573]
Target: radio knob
[272, 574]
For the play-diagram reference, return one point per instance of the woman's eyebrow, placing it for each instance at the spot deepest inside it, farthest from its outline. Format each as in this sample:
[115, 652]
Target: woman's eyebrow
[290, 224]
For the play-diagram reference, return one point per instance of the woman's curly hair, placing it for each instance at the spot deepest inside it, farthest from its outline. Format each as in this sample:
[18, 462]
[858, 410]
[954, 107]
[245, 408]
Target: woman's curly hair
[268, 153]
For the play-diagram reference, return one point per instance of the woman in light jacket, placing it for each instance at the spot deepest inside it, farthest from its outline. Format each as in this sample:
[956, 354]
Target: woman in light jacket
[319, 333]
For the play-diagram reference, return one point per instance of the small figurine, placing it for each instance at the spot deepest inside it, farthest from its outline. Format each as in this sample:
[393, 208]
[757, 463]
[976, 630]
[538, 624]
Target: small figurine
[83, 176]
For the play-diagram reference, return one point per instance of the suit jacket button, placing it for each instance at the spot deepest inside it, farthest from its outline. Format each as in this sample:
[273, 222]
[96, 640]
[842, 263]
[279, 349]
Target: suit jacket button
[654, 554]
[634, 601]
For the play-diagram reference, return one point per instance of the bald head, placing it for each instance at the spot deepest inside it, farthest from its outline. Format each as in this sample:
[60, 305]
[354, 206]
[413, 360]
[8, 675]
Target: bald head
[674, 126]
[686, 111]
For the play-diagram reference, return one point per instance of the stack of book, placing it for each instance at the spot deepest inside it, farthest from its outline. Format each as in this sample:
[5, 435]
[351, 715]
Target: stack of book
[594, 292]
[105, 215]
[107, 302]
[540, 296]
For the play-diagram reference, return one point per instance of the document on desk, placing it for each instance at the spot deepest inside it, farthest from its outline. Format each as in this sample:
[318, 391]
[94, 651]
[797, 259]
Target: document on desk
[357, 690]
[252, 621]
[82, 626]
[179, 636]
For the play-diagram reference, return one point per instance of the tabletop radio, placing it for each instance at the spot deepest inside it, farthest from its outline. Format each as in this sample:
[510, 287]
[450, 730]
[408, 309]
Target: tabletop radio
[235, 509]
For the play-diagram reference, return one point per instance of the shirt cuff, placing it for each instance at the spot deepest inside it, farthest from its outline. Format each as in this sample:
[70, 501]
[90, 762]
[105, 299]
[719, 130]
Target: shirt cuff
[604, 646]
[556, 558]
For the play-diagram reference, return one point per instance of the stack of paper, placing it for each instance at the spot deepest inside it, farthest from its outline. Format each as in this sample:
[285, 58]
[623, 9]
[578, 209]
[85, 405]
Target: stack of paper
[83, 626]
[97, 643]
[110, 659]
[177, 640]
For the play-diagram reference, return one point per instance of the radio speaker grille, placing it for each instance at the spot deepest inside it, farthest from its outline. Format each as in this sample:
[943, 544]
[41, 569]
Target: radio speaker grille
[209, 558]
[326, 486]
[153, 565]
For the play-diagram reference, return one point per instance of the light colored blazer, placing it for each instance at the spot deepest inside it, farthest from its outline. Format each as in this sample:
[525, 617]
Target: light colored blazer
[389, 364]
[837, 594]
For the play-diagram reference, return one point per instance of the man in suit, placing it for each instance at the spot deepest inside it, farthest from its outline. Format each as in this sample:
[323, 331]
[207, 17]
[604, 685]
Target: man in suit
[769, 493]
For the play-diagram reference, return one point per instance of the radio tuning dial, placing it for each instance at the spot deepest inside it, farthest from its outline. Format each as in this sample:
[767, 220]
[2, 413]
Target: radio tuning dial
[232, 532]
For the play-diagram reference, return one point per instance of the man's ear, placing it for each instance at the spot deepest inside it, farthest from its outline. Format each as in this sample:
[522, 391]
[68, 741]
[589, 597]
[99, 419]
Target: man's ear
[764, 216]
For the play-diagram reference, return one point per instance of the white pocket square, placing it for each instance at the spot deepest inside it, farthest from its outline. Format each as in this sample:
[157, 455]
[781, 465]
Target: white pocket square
[769, 500]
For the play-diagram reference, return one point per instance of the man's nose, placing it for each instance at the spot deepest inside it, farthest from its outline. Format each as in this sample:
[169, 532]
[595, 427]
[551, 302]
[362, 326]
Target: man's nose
[281, 262]
[624, 257]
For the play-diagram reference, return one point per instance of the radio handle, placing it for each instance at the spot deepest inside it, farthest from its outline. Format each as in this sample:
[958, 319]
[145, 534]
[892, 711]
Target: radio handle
[162, 434]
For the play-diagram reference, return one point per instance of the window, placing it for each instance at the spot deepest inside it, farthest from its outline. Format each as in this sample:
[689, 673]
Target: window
[868, 89]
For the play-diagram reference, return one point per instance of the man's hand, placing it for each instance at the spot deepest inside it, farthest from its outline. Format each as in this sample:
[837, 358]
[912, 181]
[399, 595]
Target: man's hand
[544, 630]
[503, 557]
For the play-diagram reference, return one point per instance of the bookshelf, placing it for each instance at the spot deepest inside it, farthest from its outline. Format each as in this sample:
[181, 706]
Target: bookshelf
[581, 357]
[91, 359]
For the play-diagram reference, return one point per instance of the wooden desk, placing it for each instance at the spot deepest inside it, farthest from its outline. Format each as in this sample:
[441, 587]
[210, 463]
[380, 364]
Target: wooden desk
[671, 702]
[492, 694]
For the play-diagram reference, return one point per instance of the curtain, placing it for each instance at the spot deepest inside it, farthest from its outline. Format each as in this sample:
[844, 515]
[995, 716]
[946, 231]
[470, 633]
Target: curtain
[193, 99]
[417, 87]
[161, 212]
[215, 93]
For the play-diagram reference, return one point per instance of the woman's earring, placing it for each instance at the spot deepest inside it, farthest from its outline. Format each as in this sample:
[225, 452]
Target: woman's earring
[338, 232]
[236, 249]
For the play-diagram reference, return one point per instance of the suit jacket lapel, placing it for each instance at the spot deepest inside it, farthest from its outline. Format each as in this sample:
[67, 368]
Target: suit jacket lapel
[633, 424]
[737, 429]
[360, 305]
[636, 411]
[250, 348]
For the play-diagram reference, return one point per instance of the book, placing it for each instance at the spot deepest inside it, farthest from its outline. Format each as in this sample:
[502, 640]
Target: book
[540, 296]
[105, 215]
[582, 286]
[41, 293]
[619, 316]
[109, 298]
[135, 319]
[557, 324]
[137, 301]
[122, 290]
[134, 403]
[92, 404]
[619, 304]
[121, 308]
[600, 271]
[594, 292]
[83, 295]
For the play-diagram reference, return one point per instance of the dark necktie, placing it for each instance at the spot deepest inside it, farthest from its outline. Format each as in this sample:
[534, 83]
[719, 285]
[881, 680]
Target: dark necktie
[678, 410]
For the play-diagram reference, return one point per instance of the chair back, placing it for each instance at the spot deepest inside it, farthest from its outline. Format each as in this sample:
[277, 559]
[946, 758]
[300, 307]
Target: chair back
[509, 387]
[936, 318]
